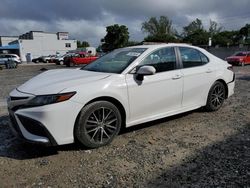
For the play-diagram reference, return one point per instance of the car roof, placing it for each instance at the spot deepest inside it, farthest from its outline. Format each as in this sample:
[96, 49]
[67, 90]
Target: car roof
[155, 46]
[243, 52]
[7, 54]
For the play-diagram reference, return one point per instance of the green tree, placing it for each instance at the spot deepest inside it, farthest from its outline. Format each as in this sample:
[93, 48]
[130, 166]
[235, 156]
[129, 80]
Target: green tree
[214, 28]
[85, 44]
[82, 44]
[226, 38]
[117, 37]
[79, 44]
[159, 30]
[245, 33]
[195, 33]
[194, 27]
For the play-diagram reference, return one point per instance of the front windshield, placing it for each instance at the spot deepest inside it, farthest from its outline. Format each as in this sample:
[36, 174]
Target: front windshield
[240, 54]
[115, 61]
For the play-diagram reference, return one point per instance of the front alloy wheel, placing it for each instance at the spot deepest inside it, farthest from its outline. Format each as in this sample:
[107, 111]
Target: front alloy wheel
[216, 96]
[98, 124]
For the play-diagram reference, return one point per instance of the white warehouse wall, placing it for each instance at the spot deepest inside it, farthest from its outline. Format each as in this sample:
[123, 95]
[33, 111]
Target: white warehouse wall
[44, 44]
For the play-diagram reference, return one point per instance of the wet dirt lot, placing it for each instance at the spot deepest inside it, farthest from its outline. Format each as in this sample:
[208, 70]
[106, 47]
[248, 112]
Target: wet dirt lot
[195, 149]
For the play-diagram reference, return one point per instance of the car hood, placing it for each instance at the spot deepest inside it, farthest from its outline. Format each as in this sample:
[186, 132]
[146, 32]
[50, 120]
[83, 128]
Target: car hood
[235, 57]
[54, 81]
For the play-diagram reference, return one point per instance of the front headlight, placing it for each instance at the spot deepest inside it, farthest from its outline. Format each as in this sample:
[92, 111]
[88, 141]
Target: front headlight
[41, 100]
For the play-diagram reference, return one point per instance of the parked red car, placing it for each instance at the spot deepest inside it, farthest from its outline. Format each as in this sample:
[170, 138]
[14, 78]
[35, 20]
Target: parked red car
[79, 58]
[239, 58]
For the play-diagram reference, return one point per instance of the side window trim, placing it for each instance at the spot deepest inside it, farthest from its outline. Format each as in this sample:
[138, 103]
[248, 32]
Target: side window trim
[179, 64]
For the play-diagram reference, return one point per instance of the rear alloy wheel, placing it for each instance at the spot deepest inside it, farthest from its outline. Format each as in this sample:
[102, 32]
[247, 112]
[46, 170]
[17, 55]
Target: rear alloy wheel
[98, 124]
[216, 96]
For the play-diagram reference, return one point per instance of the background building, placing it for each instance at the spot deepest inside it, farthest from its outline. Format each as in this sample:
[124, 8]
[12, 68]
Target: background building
[38, 43]
[5, 40]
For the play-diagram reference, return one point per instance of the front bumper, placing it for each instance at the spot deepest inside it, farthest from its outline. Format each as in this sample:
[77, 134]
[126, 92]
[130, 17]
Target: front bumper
[33, 130]
[49, 124]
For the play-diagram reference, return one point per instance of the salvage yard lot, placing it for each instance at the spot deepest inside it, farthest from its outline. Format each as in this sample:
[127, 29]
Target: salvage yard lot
[197, 149]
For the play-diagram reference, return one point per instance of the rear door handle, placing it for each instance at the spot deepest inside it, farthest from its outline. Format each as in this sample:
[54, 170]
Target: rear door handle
[177, 76]
[209, 70]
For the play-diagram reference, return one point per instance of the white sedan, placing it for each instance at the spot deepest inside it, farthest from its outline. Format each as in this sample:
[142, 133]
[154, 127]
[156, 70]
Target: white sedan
[126, 87]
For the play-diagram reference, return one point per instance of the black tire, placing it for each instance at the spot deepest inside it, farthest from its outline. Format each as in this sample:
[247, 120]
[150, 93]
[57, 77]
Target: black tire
[71, 64]
[216, 96]
[241, 64]
[98, 124]
[16, 65]
[60, 62]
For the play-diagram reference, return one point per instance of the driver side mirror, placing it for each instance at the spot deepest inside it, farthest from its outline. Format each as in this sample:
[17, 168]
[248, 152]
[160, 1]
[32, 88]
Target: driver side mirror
[145, 71]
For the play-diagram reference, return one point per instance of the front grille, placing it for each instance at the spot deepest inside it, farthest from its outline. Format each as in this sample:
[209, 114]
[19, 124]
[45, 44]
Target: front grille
[33, 126]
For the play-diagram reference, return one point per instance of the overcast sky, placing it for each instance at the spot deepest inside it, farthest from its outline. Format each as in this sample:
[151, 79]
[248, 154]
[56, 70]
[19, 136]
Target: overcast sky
[87, 20]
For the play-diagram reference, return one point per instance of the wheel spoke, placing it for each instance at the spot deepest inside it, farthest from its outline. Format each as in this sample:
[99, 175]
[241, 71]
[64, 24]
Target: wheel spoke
[106, 133]
[110, 126]
[111, 121]
[103, 114]
[95, 133]
[101, 134]
[90, 125]
[92, 130]
[95, 117]
[106, 117]
[220, 97]
[92, 121]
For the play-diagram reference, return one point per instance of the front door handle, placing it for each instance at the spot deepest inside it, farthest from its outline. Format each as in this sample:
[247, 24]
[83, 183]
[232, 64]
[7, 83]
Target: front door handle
[177, 76]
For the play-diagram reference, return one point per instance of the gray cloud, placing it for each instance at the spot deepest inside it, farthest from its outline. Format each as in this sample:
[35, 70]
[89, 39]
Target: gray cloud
[86, 20]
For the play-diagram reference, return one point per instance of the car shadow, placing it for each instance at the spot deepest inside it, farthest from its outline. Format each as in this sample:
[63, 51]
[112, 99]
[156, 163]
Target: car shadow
[221, 164]
[245, 78]
[13, 147]
[158, 121]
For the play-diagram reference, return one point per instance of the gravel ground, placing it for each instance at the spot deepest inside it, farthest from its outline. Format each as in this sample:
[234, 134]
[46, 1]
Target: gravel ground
[195, 149]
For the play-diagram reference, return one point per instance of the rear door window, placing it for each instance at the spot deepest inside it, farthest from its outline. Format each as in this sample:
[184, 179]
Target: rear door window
[191, 57]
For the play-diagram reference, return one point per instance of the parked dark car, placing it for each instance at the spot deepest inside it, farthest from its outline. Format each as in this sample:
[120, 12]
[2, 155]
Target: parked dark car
[40, 59]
